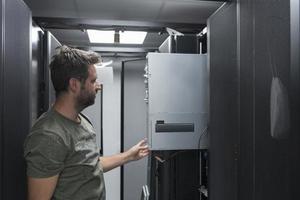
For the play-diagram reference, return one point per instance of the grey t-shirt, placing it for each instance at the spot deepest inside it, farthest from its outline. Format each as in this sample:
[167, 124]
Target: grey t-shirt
[57, 145]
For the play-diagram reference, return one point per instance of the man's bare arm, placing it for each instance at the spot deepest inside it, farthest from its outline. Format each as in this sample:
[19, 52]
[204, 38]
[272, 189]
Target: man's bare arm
[41, 188]
[138, 151]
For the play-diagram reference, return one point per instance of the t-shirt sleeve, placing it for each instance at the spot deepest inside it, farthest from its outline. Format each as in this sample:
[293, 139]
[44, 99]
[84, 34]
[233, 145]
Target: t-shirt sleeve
[45, 154]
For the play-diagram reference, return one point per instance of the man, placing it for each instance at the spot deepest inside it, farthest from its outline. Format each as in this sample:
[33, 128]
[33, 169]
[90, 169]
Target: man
[62, 157]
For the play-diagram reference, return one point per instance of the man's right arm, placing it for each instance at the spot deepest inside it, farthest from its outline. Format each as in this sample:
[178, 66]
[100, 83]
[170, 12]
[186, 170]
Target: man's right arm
[41, 188]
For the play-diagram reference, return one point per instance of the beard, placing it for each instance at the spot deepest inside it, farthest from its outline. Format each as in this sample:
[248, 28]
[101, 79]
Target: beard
[85, 99]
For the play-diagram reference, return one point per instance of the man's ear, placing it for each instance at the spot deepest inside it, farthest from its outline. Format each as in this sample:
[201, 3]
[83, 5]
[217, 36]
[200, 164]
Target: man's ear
[74, 85]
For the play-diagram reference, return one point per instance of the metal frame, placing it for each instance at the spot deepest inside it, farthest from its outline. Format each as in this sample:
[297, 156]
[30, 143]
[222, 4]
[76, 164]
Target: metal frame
[295, 90]
[82, 24]
[295, 60]
[1, 93]
[122, 124]
[101, 122]
[123, 49]
[46, 79]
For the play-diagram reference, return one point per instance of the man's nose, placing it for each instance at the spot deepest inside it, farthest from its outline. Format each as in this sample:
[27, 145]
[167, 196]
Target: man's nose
[98, 87]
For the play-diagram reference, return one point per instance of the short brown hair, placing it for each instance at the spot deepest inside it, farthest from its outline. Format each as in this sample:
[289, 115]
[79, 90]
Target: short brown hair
[70, 63]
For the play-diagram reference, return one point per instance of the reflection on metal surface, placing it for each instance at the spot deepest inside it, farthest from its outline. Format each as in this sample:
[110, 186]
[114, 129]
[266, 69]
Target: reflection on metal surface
[145, 193]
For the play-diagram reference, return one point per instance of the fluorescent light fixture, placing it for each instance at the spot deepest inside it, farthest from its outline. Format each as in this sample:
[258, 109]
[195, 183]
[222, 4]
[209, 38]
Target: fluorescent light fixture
[132, 37]
[96, 36]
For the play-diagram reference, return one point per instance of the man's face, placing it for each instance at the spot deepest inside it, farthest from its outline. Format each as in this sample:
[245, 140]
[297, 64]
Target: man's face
[89, 89]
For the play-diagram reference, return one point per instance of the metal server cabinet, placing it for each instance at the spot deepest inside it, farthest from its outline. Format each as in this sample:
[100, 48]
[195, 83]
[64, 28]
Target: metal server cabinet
[177, 98]
[15, 76]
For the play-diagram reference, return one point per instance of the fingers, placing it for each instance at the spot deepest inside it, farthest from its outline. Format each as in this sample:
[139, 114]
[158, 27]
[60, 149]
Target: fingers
[144, 149]
[143, 142]
[144, 153]
[143, 146]
[140, 150]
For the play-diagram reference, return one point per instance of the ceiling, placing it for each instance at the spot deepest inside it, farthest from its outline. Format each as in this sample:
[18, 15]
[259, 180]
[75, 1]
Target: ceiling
[67, 20]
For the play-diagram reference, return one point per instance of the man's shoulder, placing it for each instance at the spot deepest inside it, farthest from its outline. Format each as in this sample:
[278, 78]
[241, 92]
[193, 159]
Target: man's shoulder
[49, 124]
[46, 121]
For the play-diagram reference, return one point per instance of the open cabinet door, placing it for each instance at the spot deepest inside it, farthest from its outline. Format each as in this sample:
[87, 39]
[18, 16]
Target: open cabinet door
[133, 127]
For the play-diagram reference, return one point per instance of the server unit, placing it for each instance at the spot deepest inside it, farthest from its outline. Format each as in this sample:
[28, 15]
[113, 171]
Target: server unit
[177, 98]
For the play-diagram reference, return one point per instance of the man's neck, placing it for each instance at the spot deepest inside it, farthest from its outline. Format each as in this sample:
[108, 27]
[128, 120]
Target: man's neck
[66, 107]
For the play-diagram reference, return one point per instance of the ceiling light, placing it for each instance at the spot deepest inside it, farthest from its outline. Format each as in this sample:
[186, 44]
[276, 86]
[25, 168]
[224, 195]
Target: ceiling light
[96, 36]
[132, 37]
